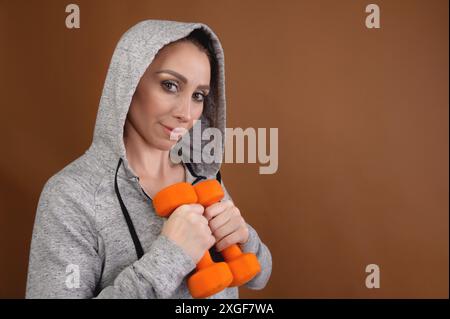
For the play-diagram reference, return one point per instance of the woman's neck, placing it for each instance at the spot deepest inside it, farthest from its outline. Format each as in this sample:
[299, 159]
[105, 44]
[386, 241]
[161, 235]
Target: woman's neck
[145, 160]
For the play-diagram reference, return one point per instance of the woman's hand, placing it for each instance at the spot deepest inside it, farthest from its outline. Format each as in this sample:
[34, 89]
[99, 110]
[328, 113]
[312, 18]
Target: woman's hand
[226, 224]
[189, 229]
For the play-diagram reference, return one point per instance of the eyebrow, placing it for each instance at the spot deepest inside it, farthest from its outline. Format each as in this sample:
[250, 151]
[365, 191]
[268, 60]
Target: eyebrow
[182, 78]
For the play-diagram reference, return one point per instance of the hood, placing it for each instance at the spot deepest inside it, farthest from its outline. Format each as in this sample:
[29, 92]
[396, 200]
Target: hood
[133, 54]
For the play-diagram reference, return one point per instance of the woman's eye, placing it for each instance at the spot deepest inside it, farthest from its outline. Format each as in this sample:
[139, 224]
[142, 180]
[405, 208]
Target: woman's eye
[170, 86]
[199, 97]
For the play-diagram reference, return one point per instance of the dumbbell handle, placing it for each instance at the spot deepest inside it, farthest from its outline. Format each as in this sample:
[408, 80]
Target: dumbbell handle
[244, 266]
[165, 205]
[208, 194]
[210, 277]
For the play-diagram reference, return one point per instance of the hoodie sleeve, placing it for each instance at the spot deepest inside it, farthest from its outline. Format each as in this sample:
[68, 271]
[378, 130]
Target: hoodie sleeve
[65, 260]
[262, 252]
[156, 275]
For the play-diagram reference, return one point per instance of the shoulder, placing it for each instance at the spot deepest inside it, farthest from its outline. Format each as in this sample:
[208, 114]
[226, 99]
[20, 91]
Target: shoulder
[72, 189]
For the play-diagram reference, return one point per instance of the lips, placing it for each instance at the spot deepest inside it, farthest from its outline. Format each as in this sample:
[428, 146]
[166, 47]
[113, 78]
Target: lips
[168, 128]
[174, 133]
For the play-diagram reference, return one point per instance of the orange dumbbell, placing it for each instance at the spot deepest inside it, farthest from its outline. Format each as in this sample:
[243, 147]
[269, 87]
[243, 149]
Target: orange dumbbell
[244, 266]
[210, 277]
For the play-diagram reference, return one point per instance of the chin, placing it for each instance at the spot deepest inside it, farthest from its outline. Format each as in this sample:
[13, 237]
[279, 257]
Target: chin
[164, 145]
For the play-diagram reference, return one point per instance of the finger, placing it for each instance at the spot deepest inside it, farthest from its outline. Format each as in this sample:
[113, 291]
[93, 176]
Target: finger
[227, 241]
[206, 230]
[217, 208]
[220, 220]
[230, 227]
[212, 241]
[196, 208]
[231, 213]
[202, 220]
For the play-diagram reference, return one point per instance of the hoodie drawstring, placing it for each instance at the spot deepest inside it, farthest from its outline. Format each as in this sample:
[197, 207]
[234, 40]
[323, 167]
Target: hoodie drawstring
[134, 236]
[198, 177]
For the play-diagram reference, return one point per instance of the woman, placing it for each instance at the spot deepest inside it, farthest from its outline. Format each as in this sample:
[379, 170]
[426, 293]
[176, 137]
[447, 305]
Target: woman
[96, 234]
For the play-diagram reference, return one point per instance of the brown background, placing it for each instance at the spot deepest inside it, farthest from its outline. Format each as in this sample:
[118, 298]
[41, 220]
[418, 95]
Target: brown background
[362, 117]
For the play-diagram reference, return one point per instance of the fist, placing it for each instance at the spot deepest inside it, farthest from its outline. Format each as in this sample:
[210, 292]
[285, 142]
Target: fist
[189, 229]
[226, 223]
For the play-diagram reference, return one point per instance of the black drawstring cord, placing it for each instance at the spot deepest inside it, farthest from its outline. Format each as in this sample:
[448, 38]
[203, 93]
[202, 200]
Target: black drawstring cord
[219, 177]
[134, 236]
[198, 178]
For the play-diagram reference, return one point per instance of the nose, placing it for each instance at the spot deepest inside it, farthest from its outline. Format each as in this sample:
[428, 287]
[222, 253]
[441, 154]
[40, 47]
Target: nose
[183, 110]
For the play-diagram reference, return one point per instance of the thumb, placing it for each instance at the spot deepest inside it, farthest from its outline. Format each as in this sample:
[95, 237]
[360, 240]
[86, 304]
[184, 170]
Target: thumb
[196, 208]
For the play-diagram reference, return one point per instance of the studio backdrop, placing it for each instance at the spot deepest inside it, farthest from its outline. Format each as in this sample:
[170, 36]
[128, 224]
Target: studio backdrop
[349, 185]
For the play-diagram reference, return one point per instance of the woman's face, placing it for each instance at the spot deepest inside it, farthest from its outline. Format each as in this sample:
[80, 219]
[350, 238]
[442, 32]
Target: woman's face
[170, 94]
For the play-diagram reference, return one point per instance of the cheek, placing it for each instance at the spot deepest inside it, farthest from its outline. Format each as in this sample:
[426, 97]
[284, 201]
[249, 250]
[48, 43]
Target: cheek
[197, 112]
[156, 104]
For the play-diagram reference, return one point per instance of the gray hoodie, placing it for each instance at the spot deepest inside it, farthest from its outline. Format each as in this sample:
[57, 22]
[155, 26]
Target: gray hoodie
[82, 246]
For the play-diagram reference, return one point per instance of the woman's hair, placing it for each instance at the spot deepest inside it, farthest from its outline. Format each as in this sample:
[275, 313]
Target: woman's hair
[200, 39]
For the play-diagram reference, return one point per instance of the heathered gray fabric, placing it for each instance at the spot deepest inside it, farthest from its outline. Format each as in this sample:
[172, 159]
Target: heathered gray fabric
[79, 220]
